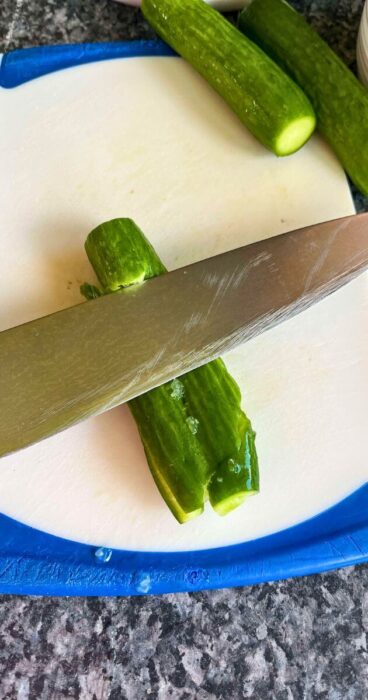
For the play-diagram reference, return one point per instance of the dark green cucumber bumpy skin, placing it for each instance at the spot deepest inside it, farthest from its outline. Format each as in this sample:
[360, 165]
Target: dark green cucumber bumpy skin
[339, 99]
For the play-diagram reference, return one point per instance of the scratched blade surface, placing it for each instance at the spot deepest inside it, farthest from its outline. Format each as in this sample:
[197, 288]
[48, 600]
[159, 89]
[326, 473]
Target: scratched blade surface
[79, 362]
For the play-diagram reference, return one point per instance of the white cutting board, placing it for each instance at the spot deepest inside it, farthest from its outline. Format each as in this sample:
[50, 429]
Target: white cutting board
[147, 138]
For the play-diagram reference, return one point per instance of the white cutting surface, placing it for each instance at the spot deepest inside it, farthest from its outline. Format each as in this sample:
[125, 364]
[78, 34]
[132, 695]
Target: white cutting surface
[146, 138]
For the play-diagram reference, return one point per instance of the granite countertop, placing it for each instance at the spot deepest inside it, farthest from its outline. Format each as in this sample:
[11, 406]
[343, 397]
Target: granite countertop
[300, 639]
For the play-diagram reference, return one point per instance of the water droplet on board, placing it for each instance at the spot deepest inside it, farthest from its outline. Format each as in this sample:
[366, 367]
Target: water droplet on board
[103, 555]
[143, 583]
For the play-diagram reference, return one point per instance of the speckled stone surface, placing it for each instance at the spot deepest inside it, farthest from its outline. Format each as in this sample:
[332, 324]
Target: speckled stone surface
[295, 640]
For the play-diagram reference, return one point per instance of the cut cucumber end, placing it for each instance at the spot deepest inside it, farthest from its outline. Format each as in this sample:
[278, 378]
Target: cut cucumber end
[181, 511]
[228, 504]
[121, 255]
[183, 517]
[295, 135]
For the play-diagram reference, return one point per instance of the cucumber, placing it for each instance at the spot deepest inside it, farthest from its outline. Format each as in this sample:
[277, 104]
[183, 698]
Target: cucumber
[224, 491]
[198, 442]
[339, 99]
[175, 458]
[228, 441]
[121, 255]
[266, 100]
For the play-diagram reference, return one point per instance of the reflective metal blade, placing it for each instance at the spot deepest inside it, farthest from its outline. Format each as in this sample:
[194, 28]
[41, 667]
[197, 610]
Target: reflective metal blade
[57, 370]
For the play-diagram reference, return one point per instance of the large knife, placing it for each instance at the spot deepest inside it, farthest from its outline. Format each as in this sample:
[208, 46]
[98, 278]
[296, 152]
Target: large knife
[76, 363]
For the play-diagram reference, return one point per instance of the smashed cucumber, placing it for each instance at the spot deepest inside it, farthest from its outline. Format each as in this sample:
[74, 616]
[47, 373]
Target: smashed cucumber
[199, 443]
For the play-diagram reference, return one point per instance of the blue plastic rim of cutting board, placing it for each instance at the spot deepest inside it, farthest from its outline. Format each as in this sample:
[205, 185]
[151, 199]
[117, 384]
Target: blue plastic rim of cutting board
[32, 562]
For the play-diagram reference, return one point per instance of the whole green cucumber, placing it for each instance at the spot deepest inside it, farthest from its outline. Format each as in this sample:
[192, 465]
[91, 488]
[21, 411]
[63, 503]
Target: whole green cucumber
[266, 100]
[339, 99]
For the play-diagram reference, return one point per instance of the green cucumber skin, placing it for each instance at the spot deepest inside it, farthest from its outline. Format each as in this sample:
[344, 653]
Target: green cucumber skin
[121, 255]
[263, 97]
[221, 433]
[339, 99]
[232, 472]
[191, 427]
[212, 397]
[172, 451]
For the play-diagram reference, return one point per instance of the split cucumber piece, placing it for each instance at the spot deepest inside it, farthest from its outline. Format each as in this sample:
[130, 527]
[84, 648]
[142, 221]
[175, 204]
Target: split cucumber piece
[198, 442]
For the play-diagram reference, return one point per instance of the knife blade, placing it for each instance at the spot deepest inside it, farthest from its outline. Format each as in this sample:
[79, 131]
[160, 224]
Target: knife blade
[60, 369]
